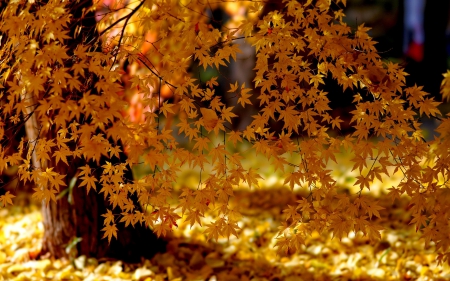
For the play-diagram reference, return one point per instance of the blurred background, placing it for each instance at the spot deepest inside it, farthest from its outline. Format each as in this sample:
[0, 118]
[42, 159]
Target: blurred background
[415, 33]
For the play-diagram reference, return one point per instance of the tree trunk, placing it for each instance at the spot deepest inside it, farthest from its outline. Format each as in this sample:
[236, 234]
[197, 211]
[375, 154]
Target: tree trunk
[65, 221]
[80, 217]
[78, 214]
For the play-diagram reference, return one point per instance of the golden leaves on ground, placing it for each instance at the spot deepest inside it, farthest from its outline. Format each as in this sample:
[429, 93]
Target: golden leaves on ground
[399, 255]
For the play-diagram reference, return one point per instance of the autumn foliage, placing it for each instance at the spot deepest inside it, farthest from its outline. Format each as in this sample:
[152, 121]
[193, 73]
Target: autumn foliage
[77, 101]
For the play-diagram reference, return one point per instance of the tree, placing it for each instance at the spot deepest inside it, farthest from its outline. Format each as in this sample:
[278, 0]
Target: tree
[74, 92]
[74, 216]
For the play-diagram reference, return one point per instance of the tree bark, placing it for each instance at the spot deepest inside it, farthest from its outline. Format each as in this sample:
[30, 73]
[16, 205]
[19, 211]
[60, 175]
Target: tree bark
[80, 217]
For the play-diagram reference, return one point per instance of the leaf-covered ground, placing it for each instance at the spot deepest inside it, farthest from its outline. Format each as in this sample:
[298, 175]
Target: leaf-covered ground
[400, 255]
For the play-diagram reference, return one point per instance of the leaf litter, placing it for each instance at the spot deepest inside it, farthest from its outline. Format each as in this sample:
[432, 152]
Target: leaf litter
[399, 255]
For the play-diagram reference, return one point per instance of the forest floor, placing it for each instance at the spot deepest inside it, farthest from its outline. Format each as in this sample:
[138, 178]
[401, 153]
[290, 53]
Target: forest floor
[399, 255]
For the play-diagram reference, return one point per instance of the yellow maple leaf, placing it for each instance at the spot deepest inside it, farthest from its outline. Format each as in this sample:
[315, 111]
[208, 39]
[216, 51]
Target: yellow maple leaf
[6, 198]
[210, 118]
[110, 231]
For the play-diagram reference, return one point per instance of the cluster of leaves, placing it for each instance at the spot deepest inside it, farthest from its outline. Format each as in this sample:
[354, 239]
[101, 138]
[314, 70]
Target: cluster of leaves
[76, 106]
